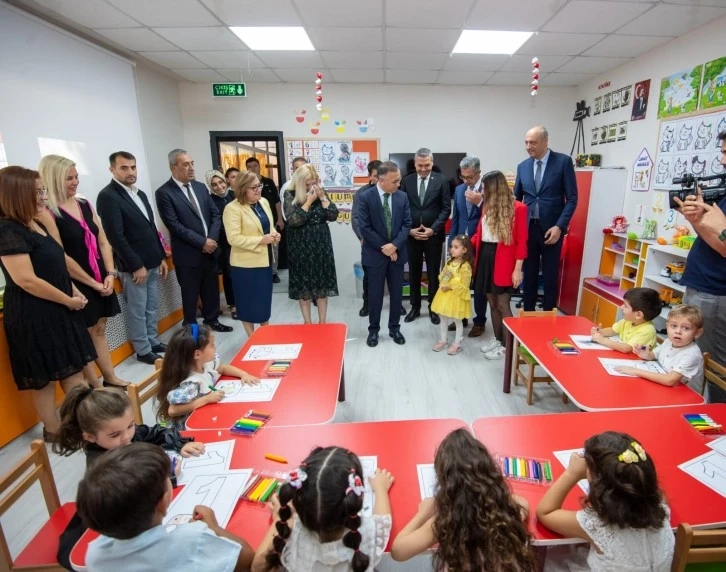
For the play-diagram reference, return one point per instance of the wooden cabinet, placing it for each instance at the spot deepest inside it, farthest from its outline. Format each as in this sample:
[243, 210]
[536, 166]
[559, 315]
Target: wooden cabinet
[588, 305]
[597, 308]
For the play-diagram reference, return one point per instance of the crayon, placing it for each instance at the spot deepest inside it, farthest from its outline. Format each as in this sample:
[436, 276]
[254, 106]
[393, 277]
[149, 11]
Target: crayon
[270, 490]
[260, 489]
[276, 458]
[515, 467]
[250, 422]
[525, 468]
[533, 469]
[504, 466]
[251, 485]
[258, 414]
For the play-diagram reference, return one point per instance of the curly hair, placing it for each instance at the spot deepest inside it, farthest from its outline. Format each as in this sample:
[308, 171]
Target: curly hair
[323, 503]
[478, 524]
[468, 255]
[622, 494]
[499, 205]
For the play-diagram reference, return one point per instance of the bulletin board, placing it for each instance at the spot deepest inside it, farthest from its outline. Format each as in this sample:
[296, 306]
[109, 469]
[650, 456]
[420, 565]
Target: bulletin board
[341, 162]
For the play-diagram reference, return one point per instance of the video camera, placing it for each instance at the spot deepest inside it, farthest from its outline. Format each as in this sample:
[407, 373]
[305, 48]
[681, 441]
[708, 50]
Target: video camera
[688, 181]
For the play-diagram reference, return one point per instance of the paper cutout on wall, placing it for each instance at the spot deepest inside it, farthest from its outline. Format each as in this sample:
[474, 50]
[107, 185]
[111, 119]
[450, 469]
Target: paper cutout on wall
[300, 115]
[315, 127]
[325, 114]
[340, 126]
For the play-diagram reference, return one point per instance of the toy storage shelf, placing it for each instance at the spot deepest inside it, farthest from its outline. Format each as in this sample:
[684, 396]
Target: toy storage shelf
[658, 256]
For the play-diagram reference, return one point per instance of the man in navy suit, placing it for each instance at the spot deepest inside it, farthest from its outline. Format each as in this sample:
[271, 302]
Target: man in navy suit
[546, 184]
[468, 202]
[385, 221]
[194, 224]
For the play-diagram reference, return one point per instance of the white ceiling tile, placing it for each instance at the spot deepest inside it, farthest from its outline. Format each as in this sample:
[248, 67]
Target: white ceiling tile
[212, 38]
[626, 46]
[137, 39]
[552, 44]
[415, 60]
[358, 60]
[462, 78]
[290, 59]
[671, 20]
[719, 3]
[251, 76]
[167, 13]
[594, 17]
[519, 63]
[511, 78]
[232, 59]
[254, 12]
[564, 79]
[90, 13]
[200, 76]
[514, 15]
[427, 13]
[475, 62]
[423, 40]
[298, 75]
[173, 59]
[356, 76]
[351, 39]
[337, 13]
[583, 64]
[411, 76]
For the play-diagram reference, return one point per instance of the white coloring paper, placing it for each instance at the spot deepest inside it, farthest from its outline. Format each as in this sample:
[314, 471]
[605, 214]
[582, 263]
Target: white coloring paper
[272, 351]
[213, 461]
[610, 365]
[709, 469]
[718, 445]
[370, 464]
[236, 391]
[426, 480]
[584, 342]
[564, 458]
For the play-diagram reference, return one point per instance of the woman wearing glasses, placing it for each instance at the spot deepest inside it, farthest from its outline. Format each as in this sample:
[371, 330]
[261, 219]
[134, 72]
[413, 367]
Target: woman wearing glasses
[250, 233]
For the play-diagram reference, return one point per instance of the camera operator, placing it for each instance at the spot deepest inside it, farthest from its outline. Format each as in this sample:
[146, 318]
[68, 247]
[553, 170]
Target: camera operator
[705, 274]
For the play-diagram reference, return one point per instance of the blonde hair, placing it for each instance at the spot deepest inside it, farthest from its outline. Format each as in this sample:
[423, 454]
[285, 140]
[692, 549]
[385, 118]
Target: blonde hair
[691, 313]
[54, 170]
[302, 174]
[499, 205]
[243, 182]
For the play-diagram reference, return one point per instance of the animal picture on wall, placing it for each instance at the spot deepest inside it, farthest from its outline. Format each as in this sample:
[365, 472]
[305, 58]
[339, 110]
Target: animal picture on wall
[663, 170]
[685, 136]
[698, 167]
[703, 135]
[713, 90]
[667, 139]
[679, 92]
[327, 154]
[716, 167]
[720, 129]
[680, 168]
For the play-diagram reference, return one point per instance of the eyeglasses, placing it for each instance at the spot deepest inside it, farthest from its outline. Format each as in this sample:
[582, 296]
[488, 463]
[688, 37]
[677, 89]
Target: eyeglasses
[256, 187]
[470, 177]
[42, 192]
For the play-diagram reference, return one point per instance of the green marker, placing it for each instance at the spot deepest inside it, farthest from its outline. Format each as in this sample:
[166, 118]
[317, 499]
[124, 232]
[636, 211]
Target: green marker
[547, 470]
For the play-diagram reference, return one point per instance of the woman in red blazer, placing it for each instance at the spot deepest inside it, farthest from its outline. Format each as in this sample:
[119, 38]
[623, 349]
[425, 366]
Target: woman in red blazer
[500, 242]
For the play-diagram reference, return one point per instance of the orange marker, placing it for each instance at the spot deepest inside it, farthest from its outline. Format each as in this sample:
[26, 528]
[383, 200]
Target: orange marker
[275, 458]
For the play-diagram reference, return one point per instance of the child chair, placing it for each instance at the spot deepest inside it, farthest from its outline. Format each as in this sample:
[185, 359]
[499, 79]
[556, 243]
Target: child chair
[713, 372]
[140, 393]
[698, 546]
[40, 553]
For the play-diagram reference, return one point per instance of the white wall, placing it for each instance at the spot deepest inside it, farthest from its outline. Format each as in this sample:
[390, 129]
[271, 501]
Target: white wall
[489, 122]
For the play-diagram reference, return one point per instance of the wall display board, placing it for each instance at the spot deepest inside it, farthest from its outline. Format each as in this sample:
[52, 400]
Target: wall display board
[340, 162]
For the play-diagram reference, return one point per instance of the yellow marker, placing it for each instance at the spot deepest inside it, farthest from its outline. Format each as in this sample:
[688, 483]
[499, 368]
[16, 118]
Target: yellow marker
[260, 489]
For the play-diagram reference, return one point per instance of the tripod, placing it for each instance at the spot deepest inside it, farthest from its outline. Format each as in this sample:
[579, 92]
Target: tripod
[579, 138]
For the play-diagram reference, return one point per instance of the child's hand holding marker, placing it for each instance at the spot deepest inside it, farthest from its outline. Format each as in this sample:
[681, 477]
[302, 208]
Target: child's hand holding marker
[577, 466]
[214, 396]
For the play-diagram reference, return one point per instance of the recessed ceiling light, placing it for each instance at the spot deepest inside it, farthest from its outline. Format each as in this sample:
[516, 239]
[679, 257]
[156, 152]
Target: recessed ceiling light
[274, 38]
[490, 42]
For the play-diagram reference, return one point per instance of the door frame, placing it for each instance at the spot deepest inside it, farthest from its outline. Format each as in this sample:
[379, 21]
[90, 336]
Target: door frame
[217, 137]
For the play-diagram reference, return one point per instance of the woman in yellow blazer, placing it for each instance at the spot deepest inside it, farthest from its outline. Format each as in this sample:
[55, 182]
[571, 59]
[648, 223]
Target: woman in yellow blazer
[247, 223]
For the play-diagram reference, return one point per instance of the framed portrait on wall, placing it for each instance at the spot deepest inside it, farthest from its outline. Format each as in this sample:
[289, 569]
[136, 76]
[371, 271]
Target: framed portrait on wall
[640, 101]
[595, 136]
[615, 103]
[625, 96]
[612, 132]
[622, 130]
[598, 106]
[606, 103]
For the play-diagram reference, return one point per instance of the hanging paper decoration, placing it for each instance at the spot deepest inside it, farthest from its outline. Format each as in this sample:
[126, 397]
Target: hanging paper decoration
[300, 115]
[315, 127]
[340, 126]
[319, 91]
[362, 125]
[371, 124]
[535, 77]
[324, 113]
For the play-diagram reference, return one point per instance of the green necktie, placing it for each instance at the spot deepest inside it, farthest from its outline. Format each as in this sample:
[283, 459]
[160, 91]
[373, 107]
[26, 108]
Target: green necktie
[387, 214]
[422, 191]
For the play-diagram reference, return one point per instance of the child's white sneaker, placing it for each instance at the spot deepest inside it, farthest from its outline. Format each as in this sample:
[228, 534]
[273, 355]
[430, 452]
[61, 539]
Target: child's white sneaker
[489, 346]
[496, 353]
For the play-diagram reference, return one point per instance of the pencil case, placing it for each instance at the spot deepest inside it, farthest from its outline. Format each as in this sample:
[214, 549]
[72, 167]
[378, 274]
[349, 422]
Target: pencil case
[526, 469]
[277, 367]
[262, 486]
[704, 424]
[250, 423]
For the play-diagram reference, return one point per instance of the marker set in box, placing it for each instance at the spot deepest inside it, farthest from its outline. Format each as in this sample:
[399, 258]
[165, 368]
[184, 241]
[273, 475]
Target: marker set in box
[250, 423]
[526, 469]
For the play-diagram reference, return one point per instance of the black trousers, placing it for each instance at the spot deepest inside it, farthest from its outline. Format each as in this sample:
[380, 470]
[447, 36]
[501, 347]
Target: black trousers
[199, 282]
[378, 275]
[365, 286]
[549, 254]
[418, 251]
[224, 268]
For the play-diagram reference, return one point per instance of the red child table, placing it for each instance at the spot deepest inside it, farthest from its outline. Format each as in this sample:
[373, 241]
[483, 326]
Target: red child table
[582, 377]
[307, 393]
[399, 446]
[663, 432]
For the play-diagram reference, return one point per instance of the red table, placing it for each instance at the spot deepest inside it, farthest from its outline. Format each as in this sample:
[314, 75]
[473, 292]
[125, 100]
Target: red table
[399, 445]
[582, 377]
[663, 432]
[307, 393]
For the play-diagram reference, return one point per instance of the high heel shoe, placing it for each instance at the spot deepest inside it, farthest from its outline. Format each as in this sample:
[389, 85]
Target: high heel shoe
[109, 384]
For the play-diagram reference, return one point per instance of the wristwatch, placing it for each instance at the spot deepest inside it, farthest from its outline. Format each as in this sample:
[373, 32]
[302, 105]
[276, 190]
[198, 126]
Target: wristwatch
[722, 236]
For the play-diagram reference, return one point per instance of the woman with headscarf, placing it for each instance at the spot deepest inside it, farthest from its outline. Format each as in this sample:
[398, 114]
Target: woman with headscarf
[222, 195]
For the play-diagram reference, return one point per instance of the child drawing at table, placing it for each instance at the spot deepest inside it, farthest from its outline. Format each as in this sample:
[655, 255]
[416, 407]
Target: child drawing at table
[326, 532]
[190, 370]
[625, 518]
[453, 298]
[476, 521]
[678, 355]
[640, 307]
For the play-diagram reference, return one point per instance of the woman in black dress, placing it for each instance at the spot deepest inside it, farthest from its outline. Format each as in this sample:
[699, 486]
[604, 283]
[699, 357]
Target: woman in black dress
[46, 333]
[90, 258]
[222, 195]
[308, 211]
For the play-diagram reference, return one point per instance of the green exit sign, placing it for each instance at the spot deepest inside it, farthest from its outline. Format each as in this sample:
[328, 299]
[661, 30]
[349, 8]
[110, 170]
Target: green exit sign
[229, 90]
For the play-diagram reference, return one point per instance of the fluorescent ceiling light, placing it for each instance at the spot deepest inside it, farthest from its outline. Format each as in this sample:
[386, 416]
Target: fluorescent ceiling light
[274, 38]
[490, 42]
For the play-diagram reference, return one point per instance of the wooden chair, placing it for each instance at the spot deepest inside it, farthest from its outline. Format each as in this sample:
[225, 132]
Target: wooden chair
[40, 554]
[713, 372]
[698, 546]
[140, 393]
[523, 357]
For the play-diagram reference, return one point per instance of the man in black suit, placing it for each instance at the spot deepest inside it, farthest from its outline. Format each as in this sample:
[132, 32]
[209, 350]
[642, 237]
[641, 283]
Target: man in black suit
[270, 192]
[385, 221]
[128, 220]
[429, 197]
[194, 224]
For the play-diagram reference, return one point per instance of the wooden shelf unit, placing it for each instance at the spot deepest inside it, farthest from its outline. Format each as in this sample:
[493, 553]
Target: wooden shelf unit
[624, 258]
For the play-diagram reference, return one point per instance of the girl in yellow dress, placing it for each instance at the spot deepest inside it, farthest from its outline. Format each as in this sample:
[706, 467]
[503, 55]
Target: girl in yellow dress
[453, 298]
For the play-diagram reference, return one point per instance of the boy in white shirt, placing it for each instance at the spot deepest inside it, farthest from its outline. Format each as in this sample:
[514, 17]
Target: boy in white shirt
[125, 495]
[679, 355]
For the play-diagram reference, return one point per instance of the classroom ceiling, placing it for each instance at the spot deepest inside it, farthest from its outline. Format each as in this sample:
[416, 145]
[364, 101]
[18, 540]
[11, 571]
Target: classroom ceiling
[382, 41]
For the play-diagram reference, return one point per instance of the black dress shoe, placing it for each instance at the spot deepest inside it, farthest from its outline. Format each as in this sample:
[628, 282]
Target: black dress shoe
[372, 340]
[403, 311]
[397, 337]
[149, 358]
[412, 315]
[218, 326]
[158, 348]
[435, 320]
[114, 386]
[452, 325]
[275, 279]
[363, 311]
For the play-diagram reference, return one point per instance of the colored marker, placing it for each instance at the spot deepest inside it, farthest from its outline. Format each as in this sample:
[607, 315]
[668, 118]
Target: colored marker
[275, 458]
[258, 414]
[212, 388]
[251, 486]
[270, 490]
[173, 465]
[547, 470]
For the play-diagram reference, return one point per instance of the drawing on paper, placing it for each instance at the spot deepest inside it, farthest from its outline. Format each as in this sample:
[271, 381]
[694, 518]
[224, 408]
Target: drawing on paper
[176, 520]
[584, 342]
[564, 458]
[709, 469]
[236, 391]
[369, 464]
[215, 459]
[272, 351]
[360, 161]
[713, 90]
[610, 364]
[426, 480]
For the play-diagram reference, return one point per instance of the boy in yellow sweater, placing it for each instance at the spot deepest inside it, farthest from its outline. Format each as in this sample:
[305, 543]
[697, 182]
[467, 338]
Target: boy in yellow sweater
[636, 329]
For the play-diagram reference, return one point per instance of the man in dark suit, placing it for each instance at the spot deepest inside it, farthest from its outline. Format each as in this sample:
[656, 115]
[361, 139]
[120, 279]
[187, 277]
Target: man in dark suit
[468, 202]
[546, 184]
[128, 221]
[194, 224]
[385, 221]
[429, 197]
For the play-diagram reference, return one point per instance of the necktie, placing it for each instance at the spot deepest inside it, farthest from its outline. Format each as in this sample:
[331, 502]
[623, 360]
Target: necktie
[537, 185]
[191, 200]
[422, 191]
[469, 206]
[387, 214]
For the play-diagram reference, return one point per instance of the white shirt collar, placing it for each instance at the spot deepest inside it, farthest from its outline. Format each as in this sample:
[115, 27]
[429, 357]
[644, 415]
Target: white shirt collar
[132, 189]
[181, 185]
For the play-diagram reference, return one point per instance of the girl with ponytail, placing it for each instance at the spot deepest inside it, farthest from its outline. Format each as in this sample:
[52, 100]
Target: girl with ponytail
[316, 520]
